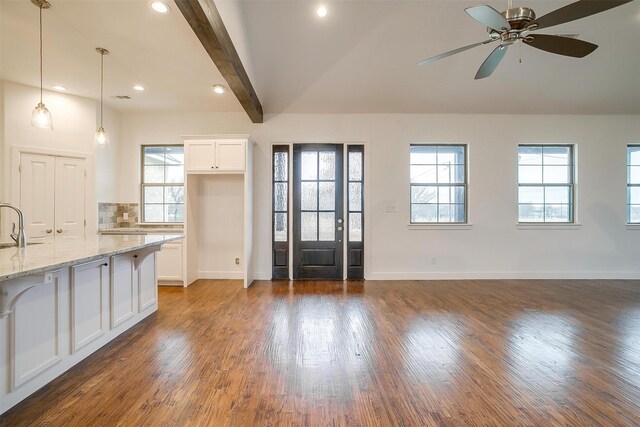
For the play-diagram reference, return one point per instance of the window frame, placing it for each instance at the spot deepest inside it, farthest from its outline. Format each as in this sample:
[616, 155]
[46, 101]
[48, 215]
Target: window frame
[464, 184]
[165, 184]
[630, 185]
[571, 185]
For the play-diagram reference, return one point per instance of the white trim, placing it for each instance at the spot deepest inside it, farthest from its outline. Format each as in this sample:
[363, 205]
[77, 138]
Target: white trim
[239, 275]
[504, 275]
[440, 226]
[633, 227]
[90, 201]
[548, 226]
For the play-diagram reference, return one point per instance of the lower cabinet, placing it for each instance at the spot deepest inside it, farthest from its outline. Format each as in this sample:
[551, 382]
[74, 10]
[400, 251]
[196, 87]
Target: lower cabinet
[89, 302]
[50, 321]
[170, 263]
[123, 289]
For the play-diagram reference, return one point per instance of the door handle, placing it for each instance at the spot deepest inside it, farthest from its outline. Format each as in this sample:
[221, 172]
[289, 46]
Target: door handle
[339, 220]
[49, 230]
[59, 230]
[339, 228]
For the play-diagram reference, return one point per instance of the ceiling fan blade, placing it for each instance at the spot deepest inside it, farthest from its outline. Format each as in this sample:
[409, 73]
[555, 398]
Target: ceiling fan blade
[488, 16]
[491, 63]
[577, 10]
[561, 45]
[452, 52]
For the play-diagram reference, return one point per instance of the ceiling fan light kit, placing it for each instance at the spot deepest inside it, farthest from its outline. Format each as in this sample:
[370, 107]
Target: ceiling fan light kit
[517, 24]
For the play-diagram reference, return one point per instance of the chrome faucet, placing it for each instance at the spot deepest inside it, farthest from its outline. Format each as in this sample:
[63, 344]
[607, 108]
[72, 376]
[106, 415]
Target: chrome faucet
[19, 237]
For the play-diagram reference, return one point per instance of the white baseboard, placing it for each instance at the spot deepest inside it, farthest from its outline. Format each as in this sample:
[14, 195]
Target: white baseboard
[492, 275]
[504, 275]
[220, 275]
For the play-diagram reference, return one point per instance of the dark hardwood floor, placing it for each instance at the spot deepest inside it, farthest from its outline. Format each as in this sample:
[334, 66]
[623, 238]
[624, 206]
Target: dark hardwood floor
[411, 353]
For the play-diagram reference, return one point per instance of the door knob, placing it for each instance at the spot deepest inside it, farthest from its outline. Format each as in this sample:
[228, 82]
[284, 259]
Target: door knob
[339, 228]
[339, 220]
[49, 230]
[59, 230]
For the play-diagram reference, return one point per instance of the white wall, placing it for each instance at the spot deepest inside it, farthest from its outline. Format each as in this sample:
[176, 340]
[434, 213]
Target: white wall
[74, 126]
[494, 247]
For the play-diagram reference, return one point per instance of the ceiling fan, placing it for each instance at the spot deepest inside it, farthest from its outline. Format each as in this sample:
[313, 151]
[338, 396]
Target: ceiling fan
[518, 24]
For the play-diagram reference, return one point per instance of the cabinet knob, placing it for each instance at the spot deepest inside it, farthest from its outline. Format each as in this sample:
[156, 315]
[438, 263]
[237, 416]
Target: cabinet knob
[213, 167]
[59, 230]
[105, 264]
[49, 230]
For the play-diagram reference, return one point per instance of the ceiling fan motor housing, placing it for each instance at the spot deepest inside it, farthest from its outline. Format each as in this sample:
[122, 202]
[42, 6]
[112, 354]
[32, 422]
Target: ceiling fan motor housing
[519, 18]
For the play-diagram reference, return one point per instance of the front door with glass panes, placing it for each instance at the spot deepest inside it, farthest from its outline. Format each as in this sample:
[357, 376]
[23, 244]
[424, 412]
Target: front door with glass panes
[315, 243]
[318, 222]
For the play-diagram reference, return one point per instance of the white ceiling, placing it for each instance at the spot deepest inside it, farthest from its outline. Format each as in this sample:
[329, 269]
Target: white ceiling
[359, 59]
[157, 51]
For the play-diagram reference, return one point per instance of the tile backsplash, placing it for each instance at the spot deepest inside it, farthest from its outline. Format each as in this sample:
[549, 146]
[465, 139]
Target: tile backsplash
[111, 215]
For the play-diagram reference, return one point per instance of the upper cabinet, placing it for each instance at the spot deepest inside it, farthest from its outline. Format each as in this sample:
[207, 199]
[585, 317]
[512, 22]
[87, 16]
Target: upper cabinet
[215, 155]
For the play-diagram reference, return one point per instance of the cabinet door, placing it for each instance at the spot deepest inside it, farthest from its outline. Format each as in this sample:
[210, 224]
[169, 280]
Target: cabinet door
[200, 156]
[170, 262]
[147, 283]
[37, 193]
[89, 296]
[230, 155]
[69, 198]
[123, 286]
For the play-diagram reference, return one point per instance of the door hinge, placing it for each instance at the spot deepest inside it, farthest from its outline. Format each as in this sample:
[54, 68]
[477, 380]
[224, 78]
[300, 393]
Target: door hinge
[85, 222]
[85, 173]
[19, 168]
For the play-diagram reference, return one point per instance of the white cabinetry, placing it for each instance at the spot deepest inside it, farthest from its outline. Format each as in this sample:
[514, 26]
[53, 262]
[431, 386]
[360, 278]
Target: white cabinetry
[215, 155]
[89, 302]
[170, 263]
[52, 320]
[218, 209]
[123, 286]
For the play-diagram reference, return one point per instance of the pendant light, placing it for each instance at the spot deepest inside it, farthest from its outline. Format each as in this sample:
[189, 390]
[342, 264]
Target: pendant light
[102, 139]
[41, 117]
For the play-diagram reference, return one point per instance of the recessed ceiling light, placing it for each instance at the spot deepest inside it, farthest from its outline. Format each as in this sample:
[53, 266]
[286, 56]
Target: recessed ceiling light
[160, 6]
[218, 88]
[321, 11]
[138, 88]
[59, 87]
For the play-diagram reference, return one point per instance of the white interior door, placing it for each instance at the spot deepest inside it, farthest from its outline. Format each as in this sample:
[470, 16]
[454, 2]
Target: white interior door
[37, 190]
[70, 184]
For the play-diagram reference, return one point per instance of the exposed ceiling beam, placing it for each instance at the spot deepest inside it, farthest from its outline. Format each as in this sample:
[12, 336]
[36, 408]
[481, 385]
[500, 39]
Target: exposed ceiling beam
[205, 20]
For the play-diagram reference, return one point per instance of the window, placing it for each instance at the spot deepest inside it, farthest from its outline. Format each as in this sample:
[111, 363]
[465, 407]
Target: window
[162, 183]
[280, 212]
[438, 184]
[545, 183]
[633, 184]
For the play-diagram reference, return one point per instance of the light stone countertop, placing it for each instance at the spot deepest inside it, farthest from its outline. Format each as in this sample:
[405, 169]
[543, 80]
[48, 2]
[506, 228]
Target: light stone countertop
[18, 262]
[142, 230]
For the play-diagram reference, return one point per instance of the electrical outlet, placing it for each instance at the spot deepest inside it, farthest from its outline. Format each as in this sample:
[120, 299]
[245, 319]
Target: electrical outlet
[125, 215]
[237, 261]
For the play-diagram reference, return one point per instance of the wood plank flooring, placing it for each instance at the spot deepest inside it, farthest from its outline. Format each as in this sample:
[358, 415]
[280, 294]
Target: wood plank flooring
[411, 353]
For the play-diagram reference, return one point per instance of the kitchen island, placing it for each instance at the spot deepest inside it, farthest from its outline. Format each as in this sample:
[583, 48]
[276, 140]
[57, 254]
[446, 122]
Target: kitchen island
[62, 301]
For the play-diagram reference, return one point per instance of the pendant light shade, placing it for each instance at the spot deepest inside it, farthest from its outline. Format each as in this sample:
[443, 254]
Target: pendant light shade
[41, 117]
[101, 139]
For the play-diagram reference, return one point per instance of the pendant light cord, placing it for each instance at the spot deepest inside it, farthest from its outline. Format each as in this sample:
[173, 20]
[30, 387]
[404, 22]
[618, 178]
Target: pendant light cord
[101, 83]
[41, 54]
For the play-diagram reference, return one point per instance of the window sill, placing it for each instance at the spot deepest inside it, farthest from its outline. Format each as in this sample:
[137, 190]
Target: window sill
[442, 226]
[547, 226]
[633, 227]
